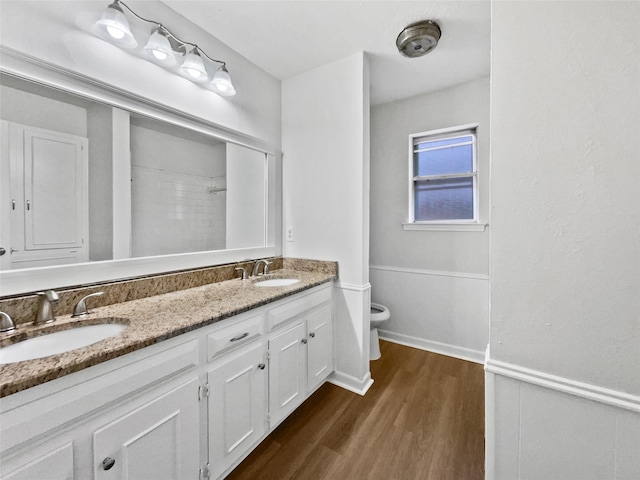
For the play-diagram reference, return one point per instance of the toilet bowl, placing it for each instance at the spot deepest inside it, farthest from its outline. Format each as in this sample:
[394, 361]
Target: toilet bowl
[379, 315]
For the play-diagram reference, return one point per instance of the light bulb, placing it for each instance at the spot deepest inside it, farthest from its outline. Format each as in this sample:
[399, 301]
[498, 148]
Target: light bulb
[221, 82]
[114, 32]
[113, 26]
[158, 46]
[193, 67]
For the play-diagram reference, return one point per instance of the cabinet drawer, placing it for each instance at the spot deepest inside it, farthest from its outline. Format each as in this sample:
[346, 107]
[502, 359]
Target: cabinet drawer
[281, 314]
[237, 334]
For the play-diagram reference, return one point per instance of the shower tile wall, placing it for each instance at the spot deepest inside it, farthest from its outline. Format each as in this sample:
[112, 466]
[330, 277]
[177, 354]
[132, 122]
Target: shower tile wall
[176, 212]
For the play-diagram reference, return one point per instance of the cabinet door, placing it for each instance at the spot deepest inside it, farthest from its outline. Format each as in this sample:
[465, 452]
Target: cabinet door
[237, 407]
[55, 465]
[320, 346]
[287, 371]
[159, 440]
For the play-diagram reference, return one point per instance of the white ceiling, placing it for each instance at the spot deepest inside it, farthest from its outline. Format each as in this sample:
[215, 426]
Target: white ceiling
[286, 38]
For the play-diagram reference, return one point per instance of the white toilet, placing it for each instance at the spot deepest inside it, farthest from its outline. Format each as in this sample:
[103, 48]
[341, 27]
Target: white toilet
[379, 315]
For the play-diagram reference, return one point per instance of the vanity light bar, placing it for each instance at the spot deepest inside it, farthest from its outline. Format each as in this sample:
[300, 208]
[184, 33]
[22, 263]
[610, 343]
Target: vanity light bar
[164, 48]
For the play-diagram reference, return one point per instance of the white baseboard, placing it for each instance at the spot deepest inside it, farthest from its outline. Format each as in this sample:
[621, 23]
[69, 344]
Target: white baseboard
[462, 353]
[351, 383]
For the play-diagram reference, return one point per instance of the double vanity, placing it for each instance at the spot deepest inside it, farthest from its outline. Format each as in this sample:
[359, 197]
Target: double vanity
[194, 380]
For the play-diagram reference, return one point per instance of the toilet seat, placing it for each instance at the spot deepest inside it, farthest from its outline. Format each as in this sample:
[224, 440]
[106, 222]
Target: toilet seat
[379, 315]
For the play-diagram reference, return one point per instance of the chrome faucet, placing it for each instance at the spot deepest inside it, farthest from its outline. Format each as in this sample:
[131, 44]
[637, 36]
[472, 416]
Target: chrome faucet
[80, 310]
[256, 268]
[6, 323]
[45, 308]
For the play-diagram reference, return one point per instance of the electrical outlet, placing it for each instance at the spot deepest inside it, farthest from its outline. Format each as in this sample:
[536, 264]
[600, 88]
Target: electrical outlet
[289, 234]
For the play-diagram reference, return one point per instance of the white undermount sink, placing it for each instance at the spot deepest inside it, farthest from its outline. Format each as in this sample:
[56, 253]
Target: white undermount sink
[58, 342]
[277, 282]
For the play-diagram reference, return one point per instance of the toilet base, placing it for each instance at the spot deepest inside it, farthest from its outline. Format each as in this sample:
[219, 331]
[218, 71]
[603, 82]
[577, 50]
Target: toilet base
[374, 345]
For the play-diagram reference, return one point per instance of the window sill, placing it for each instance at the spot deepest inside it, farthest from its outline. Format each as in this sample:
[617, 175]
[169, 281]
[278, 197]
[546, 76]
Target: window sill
[446, 227]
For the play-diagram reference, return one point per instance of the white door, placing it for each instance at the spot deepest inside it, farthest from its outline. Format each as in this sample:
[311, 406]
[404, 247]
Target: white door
[47, 200]
[157, 441]
[237, 407]
[53, 189]
[5, 198]
[287, 371]
[320, 346]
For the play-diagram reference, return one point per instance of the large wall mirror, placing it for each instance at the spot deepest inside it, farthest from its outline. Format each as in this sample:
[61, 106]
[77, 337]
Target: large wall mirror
[87, 183]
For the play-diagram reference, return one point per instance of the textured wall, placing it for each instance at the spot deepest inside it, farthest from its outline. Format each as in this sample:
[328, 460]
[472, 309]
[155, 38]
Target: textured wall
[565, 243]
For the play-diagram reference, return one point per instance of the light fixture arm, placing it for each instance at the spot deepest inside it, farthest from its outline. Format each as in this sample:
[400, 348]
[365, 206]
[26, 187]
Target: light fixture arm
[182, 43]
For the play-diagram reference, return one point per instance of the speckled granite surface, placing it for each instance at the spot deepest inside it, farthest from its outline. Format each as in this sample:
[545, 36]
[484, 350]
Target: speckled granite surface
[153, 319]
[22, 308]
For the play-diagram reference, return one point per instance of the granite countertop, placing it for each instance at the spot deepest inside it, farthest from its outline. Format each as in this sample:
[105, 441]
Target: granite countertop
[150, 320]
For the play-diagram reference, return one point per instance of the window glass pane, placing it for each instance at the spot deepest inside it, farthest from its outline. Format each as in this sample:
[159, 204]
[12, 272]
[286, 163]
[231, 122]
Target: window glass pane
[444, 161]
[439, 143]
[445, 199]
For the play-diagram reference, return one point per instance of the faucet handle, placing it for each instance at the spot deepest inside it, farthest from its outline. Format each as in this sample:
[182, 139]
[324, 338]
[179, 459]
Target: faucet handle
[49, 295]
[80, 310]
[244, 272]
[6, 323]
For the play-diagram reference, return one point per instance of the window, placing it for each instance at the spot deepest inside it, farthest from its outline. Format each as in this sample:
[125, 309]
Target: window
[443, 177]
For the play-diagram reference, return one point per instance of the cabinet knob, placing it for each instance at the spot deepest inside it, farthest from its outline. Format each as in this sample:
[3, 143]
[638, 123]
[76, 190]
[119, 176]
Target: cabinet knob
[108, 462]
[312, 334]
[261, 366]
[304, 340]
[2, 251]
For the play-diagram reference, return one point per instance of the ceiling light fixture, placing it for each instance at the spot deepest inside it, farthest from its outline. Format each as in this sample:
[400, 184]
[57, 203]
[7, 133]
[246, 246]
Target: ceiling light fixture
[163, 48]
[418, 39]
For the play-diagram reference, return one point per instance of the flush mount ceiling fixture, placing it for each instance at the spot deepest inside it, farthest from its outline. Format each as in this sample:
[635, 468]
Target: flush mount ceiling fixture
[418, 39]
[165, 49]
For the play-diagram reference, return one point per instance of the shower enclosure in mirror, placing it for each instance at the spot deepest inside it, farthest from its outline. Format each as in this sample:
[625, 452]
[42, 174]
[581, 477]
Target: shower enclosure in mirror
[85, 181]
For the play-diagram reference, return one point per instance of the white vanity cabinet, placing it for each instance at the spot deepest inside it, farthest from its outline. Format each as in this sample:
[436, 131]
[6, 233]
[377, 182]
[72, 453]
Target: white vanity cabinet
[56, 464]
[158, 440]
[237, 391]
[141, 411]
[189, 408]
[320, 346]
[287, 371]
[300, 350]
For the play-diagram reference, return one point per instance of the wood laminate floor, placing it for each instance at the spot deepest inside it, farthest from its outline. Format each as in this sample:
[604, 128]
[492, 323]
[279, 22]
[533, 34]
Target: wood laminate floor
[423, 418]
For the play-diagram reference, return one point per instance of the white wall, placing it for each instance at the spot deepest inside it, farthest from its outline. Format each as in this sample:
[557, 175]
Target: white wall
[99, 122]
[38, 111]
[435, 283]
[565, 242]
[246, 197]
[325, 126]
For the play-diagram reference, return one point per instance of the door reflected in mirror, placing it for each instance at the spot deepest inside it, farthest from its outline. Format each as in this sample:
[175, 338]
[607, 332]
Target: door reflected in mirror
[84, 181]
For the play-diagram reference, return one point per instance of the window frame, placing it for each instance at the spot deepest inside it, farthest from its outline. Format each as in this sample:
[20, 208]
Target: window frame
[473, 224]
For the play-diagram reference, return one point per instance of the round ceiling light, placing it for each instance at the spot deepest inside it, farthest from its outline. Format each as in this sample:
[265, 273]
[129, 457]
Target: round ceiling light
[418, 39]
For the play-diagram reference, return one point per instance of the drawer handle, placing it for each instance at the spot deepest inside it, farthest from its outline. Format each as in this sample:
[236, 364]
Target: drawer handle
[108, 462]
[239, 337]
[312, 334]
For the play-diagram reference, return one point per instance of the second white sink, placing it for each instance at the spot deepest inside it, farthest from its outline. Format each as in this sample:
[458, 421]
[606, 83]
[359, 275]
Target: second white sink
[58, 342]
[277, 282]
